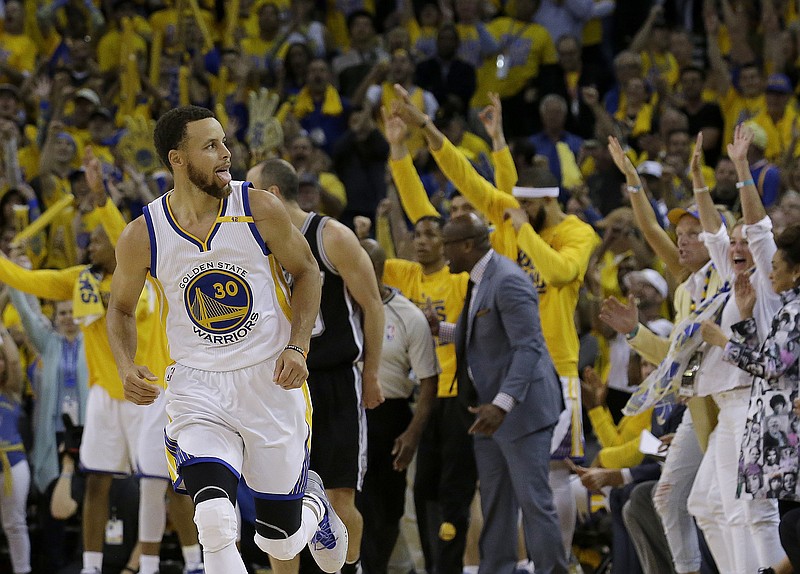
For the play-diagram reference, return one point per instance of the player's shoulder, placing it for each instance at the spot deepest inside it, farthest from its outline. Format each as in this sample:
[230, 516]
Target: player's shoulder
[263, 202]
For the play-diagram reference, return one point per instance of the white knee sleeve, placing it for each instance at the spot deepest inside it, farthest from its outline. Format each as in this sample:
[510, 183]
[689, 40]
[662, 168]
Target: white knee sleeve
[289, 547]
[283, 549]
[216, 524]
[152, 509]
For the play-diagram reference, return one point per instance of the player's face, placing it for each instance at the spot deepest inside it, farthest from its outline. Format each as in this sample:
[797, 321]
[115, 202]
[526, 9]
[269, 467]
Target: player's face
[101, 252]
[537, 215]
[208, 159]
[428, 242]
[460, 206]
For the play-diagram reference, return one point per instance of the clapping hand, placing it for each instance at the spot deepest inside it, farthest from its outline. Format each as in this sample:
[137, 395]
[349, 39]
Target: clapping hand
[622, 317]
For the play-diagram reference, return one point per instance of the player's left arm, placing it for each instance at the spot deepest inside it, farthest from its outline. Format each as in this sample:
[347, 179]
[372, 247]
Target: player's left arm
[355, 268]
[133, 263]
[293, 253]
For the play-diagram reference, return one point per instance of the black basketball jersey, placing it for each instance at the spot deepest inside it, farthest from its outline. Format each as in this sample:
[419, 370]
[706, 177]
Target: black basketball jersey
[337, 338]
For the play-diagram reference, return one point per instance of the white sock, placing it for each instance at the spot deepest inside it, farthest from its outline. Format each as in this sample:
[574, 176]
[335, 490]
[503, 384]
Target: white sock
[225, 561]
[313, 511]
[470, 569]
[93, 560]
[149, 564]
[192, 555]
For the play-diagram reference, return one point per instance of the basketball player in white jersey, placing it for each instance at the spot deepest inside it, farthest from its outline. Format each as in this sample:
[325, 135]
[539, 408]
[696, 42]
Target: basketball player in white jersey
[349, 329]
[236, 397]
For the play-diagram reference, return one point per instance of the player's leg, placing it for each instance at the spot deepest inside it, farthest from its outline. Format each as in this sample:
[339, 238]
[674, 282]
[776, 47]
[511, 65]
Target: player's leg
[180, 511]
[212, 488]
[339, 450]
[205, 452]
[104, 452]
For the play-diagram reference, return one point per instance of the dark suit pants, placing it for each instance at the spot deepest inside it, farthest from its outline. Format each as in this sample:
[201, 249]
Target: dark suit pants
[513, 475]
[625, 560]
[382, 498]
[444, 487]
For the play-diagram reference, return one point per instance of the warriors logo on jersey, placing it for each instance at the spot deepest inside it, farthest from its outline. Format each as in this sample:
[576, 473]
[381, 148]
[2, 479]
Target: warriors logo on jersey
[219, 302]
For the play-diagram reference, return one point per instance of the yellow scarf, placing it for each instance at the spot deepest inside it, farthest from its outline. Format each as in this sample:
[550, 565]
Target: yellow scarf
[331, 105]
[87, 301]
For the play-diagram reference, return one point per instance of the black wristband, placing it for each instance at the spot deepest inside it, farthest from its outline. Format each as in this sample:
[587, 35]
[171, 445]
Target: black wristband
[296, 348]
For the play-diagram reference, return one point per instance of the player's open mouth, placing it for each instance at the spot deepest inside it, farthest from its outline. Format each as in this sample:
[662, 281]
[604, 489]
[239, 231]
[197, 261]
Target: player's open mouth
[224, 176]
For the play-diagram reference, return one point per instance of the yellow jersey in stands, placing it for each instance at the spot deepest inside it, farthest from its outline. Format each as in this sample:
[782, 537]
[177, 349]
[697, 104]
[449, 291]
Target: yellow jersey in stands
[446, 292]
[556, 259]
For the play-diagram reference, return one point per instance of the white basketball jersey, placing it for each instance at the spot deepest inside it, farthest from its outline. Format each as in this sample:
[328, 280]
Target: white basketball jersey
[228, 304]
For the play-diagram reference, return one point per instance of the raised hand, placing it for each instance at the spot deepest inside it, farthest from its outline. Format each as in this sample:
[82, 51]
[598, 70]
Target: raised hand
[396, 130]
[517, 216]
[621, 160]
[361, 226]
[407, 111]
[742, 137]
[492, 117]
[696, 165]
[593, 390]
[622, 317]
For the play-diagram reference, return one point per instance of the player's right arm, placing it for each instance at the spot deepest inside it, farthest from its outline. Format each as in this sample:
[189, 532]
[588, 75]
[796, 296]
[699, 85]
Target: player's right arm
[133, 262]
[293, 253]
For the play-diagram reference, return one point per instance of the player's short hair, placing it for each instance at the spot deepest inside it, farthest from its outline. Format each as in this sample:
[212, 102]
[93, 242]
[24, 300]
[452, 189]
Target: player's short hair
[170, 129]
[280, 173]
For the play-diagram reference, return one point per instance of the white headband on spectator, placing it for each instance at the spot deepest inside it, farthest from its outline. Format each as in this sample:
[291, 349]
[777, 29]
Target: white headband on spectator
[534, 192]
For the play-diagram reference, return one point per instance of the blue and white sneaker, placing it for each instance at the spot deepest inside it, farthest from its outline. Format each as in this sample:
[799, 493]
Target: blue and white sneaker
[329, 545]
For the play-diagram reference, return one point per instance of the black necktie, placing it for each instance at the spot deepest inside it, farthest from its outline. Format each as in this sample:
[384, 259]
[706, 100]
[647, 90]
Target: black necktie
[466, 389]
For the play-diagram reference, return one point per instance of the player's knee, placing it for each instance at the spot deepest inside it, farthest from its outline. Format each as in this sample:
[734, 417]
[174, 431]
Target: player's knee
[281, 548]
[216, 524]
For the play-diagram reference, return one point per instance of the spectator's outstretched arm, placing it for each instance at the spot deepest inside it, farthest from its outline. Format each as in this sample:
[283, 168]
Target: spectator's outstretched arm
[412, 194]
[752, 207]
[639, 42]
[480, 193]
[710, 218]
[13, 379]
[720, 72]
[505, 172]
[643, 212]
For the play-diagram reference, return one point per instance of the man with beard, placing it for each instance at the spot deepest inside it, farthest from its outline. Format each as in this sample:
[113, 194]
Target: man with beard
[348, 329]
[553, 249]
[237, 400]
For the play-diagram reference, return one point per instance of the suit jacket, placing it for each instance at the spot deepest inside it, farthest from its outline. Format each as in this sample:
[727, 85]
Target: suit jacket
[506, 352]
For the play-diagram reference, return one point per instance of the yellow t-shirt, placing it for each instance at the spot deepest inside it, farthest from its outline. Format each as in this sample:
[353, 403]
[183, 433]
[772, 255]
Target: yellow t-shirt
[257, 50]
[779, 136]
[59, 285]
[665, 65]
[338, 11]
[19, 52]
[556, 259]
[527, 47]
[446, 292]
[737, 109]
[109, 50]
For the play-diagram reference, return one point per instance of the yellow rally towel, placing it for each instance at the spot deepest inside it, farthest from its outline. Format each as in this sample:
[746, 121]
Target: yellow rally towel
[570, 172]
[7, 477]
[87, 302]
[304, 104]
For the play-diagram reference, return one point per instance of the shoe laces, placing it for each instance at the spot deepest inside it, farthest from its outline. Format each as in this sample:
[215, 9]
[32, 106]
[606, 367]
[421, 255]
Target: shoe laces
[324, 535]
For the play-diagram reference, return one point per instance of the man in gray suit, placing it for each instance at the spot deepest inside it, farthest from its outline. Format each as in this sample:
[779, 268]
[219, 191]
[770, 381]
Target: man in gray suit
[507, 381]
